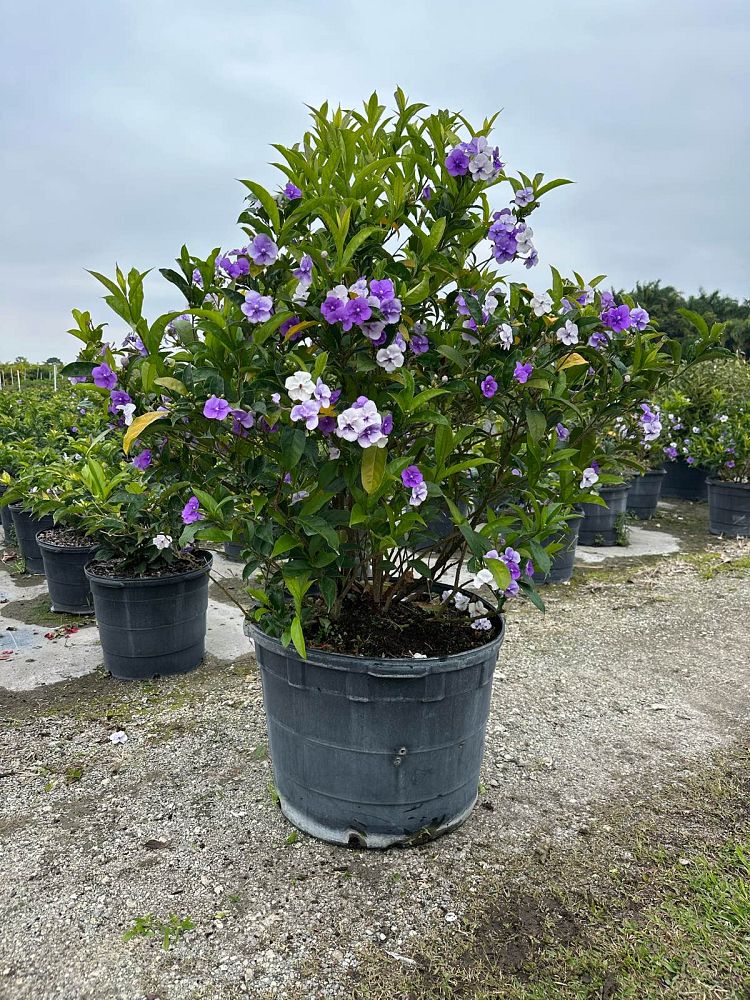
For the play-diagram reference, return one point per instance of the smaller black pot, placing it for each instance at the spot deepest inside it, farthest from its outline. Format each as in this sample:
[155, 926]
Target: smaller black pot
[729, 508]
[27, 527]
[233, 551]
[564, 559]
[66, 581]
[151, 626]
[599, 524]
[644, 493]
[6, 518]
[685, 482]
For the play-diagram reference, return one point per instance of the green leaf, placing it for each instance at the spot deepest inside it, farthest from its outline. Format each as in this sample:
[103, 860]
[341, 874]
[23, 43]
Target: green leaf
[285, 543]
[537, 424]
[356, 242]
[267, 201]
[293, 445]
[298, 637]
[430, 242]
[419, 293]
[452, 354]
[373, 468]
[500, 572]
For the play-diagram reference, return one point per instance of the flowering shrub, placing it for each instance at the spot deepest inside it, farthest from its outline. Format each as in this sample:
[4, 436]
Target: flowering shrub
[698, 399]
[723, 446]
[360, 371]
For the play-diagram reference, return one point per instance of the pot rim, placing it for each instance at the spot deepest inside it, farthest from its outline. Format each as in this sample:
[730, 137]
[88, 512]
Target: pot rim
[713, 481]
[62, 548]
[405, 666]
[119, 582]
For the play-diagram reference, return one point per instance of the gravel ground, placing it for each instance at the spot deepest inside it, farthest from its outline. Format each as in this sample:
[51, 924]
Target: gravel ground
[637, 674]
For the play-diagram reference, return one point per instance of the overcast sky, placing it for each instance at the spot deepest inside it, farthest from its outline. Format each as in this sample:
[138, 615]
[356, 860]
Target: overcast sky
[124, 125]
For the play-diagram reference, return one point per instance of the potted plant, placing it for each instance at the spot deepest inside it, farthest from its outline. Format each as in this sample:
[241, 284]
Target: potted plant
[724, 448]
[690, 404]
[644, 439]
[358, 369]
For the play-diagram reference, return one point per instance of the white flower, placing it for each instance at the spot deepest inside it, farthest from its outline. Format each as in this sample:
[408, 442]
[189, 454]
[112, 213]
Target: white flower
[723, 418]
[461, 602]
[482, 624]
[118, 737]
[300, 386]
[390, 358]
[541, 304]
[127, 411]
[504, 334]
[419, 656]
[589, 478]
[301, 293]
[476, 609]
[451, 918]
[296, 497]
[162, 541]
[359, 288]
[568, 334]
[340, 292]
[350, 423]
[491, 303]
[334, 452]
[483, 578]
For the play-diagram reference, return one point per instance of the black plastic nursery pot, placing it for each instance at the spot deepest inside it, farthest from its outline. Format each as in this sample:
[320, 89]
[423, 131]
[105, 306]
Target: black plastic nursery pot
[599, 524]
[6, 518]
[644, 493]
[27, 527]
[67, 583]
[685, 482]
[564, 559]
[729, 508]
[372, 752]
[233, 551]
[151, 626]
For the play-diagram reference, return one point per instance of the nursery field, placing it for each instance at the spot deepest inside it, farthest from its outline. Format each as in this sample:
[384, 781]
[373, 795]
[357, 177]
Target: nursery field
[144, 854]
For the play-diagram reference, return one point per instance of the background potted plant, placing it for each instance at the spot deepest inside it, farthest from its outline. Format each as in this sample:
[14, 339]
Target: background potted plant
[643, 436]
[691, 403]
[356, 370]
[723, 447]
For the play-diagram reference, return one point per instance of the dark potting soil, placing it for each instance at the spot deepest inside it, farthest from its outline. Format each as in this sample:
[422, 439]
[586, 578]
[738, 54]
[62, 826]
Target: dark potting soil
[406, 629]
[185, 564]
[67, 538]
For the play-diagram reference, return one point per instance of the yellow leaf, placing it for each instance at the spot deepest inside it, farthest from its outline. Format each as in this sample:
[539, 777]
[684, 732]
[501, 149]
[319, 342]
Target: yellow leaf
[139, 425]
[172, 383]
[373, 468]
[571, 361]
[299, 326]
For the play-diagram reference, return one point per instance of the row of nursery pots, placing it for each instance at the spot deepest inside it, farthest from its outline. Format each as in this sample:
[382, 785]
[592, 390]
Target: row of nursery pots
[366, 751]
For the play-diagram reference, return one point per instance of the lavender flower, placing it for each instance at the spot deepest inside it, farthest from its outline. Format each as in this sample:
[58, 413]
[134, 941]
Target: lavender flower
[488, 386]
[390, 310]
[639, 318]
[598, 340]
[356, 311]
[390, 358]
[307, 411]
[524, 197]
[215, 408]
[522, 373]
[426, 193]
[616, 318]
[419, 344]
[303, 273]
[541, 304]
[412, 476]
[568, 334]
[142, 460]
[258, 308]
[291, 191]
[562, 432]
[457, 162]
[382, 289]
[263, 250]
[589, 478]
[333, 309]
[418, 495]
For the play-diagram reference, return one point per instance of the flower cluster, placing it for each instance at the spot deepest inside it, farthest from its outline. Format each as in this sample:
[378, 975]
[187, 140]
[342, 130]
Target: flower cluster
[511, 239]
[475, 158]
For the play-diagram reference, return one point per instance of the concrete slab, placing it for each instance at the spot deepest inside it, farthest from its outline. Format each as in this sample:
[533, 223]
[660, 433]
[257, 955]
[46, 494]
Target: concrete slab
[643, 542]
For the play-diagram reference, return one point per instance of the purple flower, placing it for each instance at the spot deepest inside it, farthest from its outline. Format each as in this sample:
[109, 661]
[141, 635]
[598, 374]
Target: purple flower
[242, 421]
[118, 397]
[426, 193]
[197, 278]
[104, 377]
[488, 386]
[529, 568]
[258, 308]
[617, 318]
[382, 289]
[598, 340]
[75, 379]
[333, 309]
[524, 197]
[287, 325]
[291, 191]
[562, 432]
[390, 310]
[639, 318]
[418, 494]
[411, 476]
[671, 452]
[307, 411]
[356, 311]
[303, 273]
[457, 162]
[512, 589]
[263, 250]
[607, 300]
[419, 344]
[386, 425]
[327, 425]
[730, 463]
[191, 511]
[522, 373]
[690, 460]
[216, 408]
[142, 460]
